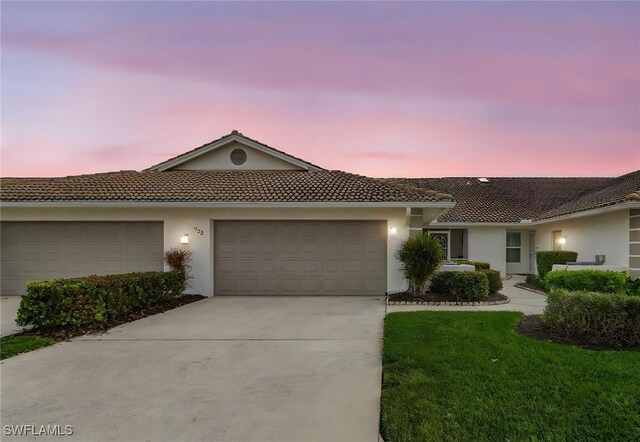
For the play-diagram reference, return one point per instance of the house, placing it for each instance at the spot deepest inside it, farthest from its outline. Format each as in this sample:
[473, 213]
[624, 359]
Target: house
[258, 221]
[262, 222]
[506, 220]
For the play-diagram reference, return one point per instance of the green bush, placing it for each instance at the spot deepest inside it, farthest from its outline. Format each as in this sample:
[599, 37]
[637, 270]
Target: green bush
[420, 257]
[479, 265]
[600, 318]
[546, 260]
[79, 301]
[494, 279]
[605, 281]
[633, 286]
[535, 281]
[462, 286]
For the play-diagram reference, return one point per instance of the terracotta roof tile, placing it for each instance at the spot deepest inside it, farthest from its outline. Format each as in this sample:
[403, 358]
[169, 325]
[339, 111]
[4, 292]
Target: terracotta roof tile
[214, 186]
[510, 200]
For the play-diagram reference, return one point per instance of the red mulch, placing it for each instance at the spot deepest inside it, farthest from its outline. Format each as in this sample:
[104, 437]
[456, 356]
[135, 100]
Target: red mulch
[438, 297]
[62, 333]
[533, 327]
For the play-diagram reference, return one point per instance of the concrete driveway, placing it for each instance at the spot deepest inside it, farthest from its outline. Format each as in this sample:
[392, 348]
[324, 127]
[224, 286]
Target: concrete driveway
[221, 369]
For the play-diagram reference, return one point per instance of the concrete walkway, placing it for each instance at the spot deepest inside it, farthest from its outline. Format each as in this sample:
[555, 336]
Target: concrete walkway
[221, 369]
[8, 310]
[529, 303]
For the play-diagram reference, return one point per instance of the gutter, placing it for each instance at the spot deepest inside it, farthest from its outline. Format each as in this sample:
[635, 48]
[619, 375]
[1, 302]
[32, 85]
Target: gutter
[445, 205]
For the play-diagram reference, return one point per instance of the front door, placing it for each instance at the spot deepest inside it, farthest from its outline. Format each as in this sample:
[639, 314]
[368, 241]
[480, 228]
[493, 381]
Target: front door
[532, 253]
[442, 238]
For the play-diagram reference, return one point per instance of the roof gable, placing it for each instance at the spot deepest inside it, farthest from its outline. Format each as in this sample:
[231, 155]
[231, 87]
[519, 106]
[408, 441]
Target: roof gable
[216, 155]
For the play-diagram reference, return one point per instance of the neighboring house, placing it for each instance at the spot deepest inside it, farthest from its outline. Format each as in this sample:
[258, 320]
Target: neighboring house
[262, 222]
[506, 220]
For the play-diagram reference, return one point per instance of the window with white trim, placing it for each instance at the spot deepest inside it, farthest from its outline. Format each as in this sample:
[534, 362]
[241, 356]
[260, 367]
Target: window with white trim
[514, 246]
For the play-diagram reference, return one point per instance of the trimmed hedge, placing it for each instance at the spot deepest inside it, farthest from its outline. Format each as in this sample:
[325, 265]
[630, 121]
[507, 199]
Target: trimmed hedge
[606, 281]
[633, 286]
[464, 286]
[79, 301]
[494, 279]
[479, 265]
[600, 318]
[535, 281]
[546, 260]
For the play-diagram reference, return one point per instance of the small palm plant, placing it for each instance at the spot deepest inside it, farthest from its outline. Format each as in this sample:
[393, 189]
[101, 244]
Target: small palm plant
[420, 257]
[179, 260]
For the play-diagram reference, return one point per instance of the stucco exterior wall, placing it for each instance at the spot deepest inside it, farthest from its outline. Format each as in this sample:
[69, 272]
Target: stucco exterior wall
[220, 160]
[488, 244]
[606, 234]
[178, 221]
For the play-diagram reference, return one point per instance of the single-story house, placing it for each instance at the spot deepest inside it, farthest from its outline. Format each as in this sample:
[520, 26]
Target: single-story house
[506, 220]
[262, 222]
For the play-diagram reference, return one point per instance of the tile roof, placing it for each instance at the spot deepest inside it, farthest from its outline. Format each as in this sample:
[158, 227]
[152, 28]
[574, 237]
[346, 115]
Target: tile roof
[509, 200]
[214, 186]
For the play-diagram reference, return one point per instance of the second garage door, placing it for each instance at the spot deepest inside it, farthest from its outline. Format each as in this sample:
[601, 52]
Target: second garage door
[37, 251]
[300, 257]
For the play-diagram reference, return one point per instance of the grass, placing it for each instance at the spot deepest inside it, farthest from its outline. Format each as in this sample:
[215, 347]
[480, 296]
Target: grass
[468, 376]
[16, 344]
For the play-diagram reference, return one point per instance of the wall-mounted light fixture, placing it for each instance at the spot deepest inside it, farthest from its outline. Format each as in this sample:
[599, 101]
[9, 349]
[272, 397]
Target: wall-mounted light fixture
[184, 239]
[393, 230]
[562, 240]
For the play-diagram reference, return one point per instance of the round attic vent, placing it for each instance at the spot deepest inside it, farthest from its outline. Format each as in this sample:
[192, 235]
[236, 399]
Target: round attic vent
[238, 157]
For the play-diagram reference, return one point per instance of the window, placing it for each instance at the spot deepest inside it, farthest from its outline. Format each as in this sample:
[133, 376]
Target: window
[514, 242]
[238, 157]
[556, 237]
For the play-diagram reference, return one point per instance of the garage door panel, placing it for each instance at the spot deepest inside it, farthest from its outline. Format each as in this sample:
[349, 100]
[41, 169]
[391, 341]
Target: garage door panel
[270, 267]
[300, 257]
[249, 267]
[290, 249]
[270, 286]
[226, 286]
[39, 251]
[331, 286]
[248, 285]
[332, 267]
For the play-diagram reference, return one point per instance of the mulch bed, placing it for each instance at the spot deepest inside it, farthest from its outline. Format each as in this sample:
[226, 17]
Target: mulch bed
[431, 297]
[533, 288]
[533, 327]
[64, 334]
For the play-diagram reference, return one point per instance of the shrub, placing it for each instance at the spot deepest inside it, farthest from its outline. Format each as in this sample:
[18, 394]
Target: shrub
[463, 286]
[179, 260]
[420, 257]
[605, 281]
[494, 279]
[479, 265]
[535, 281]
[79, 301]
[546, 260]
[600, 318]
[633, 286]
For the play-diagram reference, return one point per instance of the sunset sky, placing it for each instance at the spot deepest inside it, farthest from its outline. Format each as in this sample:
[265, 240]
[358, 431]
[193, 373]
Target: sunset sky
[379, 89]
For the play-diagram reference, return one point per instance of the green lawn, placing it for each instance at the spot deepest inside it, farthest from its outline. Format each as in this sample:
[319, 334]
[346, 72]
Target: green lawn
[14, 345]
[468, 376]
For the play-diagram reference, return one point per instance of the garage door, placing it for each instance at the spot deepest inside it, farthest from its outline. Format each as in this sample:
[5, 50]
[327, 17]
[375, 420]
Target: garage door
[300, 257]
[37, 251]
